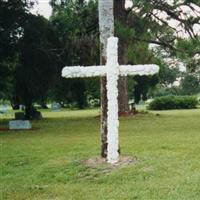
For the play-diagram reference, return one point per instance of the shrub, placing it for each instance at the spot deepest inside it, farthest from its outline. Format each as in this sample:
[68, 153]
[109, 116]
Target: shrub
[173, 102]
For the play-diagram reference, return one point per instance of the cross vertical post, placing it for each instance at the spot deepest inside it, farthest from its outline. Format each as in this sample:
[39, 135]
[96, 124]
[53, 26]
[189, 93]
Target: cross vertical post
[112, 95]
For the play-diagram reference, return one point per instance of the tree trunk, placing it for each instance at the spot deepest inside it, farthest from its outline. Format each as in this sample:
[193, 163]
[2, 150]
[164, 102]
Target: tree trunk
[120, 16]
[28, 111]
[123, 96]
[104, 129]
[14, 101]
[106, 27]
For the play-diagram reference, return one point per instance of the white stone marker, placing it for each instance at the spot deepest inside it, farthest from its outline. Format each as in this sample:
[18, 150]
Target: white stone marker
[19, 125]
[112, 70]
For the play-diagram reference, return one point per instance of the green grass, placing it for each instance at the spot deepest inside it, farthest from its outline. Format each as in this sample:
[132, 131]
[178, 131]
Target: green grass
[45, 164]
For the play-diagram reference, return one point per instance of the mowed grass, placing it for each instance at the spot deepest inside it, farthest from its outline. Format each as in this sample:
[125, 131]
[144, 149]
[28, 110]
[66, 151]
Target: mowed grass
[46, 164]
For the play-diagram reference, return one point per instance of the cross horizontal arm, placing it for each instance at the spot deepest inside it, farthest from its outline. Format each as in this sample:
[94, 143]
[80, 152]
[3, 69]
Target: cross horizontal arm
[78, 71]
[125, 70]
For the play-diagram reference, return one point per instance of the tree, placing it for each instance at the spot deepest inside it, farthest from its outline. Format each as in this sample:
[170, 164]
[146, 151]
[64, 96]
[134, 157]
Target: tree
[189, 53]
[34, 73]
[157, 15]
[12, 16]
[190, 84]
[74, 22]
[7, 66]
[120, 18]
[144, 22]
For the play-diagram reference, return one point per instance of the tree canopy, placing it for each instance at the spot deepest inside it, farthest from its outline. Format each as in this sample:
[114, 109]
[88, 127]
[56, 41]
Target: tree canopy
[34, 73]
[77, 27]
[33, 50]
[13, 14]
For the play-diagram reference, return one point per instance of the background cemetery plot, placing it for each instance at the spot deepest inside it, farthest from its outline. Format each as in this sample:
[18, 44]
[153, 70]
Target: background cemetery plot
[48, 162]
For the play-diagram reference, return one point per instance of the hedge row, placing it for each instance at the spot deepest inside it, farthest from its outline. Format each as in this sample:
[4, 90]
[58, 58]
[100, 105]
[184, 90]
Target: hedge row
[173, 102]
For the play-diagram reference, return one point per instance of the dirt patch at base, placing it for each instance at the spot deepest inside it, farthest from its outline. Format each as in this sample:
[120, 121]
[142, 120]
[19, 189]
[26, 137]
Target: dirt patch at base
[97, 162]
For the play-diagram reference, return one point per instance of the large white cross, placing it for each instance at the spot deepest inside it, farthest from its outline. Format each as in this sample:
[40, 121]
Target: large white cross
[112, 70]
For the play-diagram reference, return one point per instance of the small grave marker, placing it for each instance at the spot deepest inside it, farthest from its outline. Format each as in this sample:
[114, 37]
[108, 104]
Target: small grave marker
[141, 103]
[21, 107]
[55, 107]
[19, 116]
[19, 125]
[3, 109]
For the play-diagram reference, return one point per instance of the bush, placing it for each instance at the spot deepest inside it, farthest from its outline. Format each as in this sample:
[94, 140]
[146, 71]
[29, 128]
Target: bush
[173, 102]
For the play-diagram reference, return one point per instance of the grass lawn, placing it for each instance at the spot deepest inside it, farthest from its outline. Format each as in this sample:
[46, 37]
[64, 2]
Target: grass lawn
[46, 164]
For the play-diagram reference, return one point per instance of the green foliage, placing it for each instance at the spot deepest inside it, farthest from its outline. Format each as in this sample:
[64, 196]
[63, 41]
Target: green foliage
[7, 66]
[190, 84]
[188, 45]
[92, 89]
[142, 86]
[34, 73]
[13, 14]
[139, 53]
[161, 90]
[77, 28]
[168, 75]
[146, 26]
[123, 31]
[189, 53]
[173, 102]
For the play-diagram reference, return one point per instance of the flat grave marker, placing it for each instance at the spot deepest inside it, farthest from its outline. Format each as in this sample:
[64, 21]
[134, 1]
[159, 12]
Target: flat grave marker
[19, 125]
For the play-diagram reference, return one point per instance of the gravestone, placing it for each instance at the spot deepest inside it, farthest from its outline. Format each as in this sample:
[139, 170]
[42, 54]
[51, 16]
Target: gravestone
[141, 103]
[131, 104]
[36, 115]
[55, 106]
[3, 109]
[21, 107]
[19, 125]
[19, 116]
